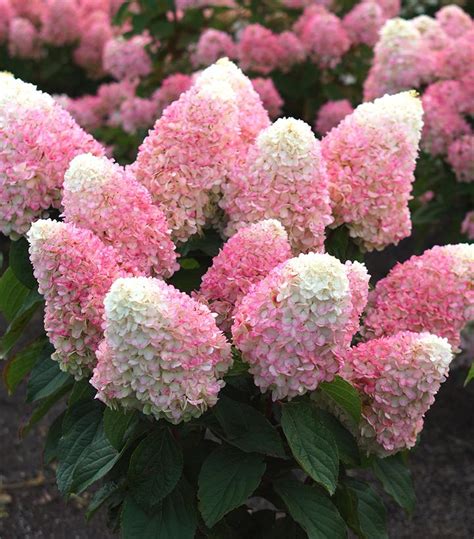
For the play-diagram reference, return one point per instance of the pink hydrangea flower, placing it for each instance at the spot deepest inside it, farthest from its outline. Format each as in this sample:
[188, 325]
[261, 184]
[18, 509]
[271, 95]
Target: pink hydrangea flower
[170, 90]
[6, 15]
[432, 292]
[93, 38]
[454, 20]
[331, 114]
[457, 57]
[259, 49]
[432, 35]
[244, 260]
[363, 23]
[292, 51]
[461, 158]
[86, 110]
[171, 365]
[137, 113]
[323, 36]
[127, 58]
[74, 270]
[101, 196]
[371, 157]
[284, 178]
[38, 140]
[31, 10]
[269, 95]
[23, 39]
[398, 378]
[391, 8]
[61, 22]
[467, 226]
[295, 325]
[212, 45]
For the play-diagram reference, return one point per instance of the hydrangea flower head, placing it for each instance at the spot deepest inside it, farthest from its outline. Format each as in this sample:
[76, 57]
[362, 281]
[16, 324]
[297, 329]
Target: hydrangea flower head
[212, 45]
[269, 95]
[331, 114]
[162, 354]
[127, 58]
[461, 158]
[363, 23]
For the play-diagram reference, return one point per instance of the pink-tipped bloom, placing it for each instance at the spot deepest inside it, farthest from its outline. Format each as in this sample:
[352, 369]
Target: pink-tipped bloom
[170, 365]
[170, 90]
[259, 49]
[467, 226]
[93, 38]
[454, 21]
[23, 39]
[432, 292]
[187, 156]
[402, 60]
[284, 178]
[363, 23]
[269, 95]
[74, 270]
[137, 113]
[127, 58]
[294, 326]
[323, 36]
[212, 45]
[38, 140]
[244, 260]
[101, 196]
[371, 157]
[461, 158]
[457, 57]
[331, 115]
[61, 22]
[6, 15]
[398, 378]
[391, 8]
[86, 110]
[292, 51]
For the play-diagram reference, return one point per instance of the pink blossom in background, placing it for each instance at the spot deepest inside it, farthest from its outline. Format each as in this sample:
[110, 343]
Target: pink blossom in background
[38, 139]
[101, 196]
[284, 178]
[454, 20]
[461, 158]
[171, 365]
[292, 51]
[212, 45]
[196, 4]
[29, 9]
[432, 292]
[426, 197]
[23, 39]
[61, 22]
[6, 15]
[138, 113]
[457, 58]
[170, 90]
[246, 258]
[431, 33]
[323, 36]
[294, 326]
[74, 270]
[259, 49]
[269, 95]
[467, 226]
[391, 8]
[371, 158]
[127, 58]
[86, 110]
[363, 23]
[93, 38]
[331, 114]
[398, 378]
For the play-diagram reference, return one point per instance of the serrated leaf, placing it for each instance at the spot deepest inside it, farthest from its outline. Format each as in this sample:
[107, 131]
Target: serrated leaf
[45, 379]
[101, 496]
[12, 294]
[20, 264]
[344, 395]
[311, 443]
[312, 509]
[21, 364]
[346, 443]
[116, 425]
[82, 390]
[228, 477]
[396, 480]
[247, 428]
[155, 468]
[173, 518]
[371, 512]
[52, 439]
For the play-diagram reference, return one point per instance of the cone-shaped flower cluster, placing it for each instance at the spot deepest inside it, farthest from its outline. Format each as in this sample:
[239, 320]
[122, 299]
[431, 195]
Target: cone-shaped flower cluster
[398, 377]
[74, 270]
[295, 325]
[433, 292]
[162, 354]
[284, 178]
[38, 139]
[244, 260]
[363, 23]
[212, 45]
[371, 159]
[103, 197]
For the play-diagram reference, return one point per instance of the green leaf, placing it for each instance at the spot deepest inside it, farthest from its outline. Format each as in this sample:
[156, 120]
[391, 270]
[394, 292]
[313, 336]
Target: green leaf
[311, 443]
[189, 263]
[52, 439]
[155, 468]
[248, 429]
[346, 443]
[20, 263]
[100, 496]
[21, 364]
[239, 367]
[228, 477]
[82, 390]
[173, 518]
[116, 425]
[396, 480]
[17, 325]
[46, 378]
[12, 294]
[312, 509]
[470, 375]
[344, 395]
